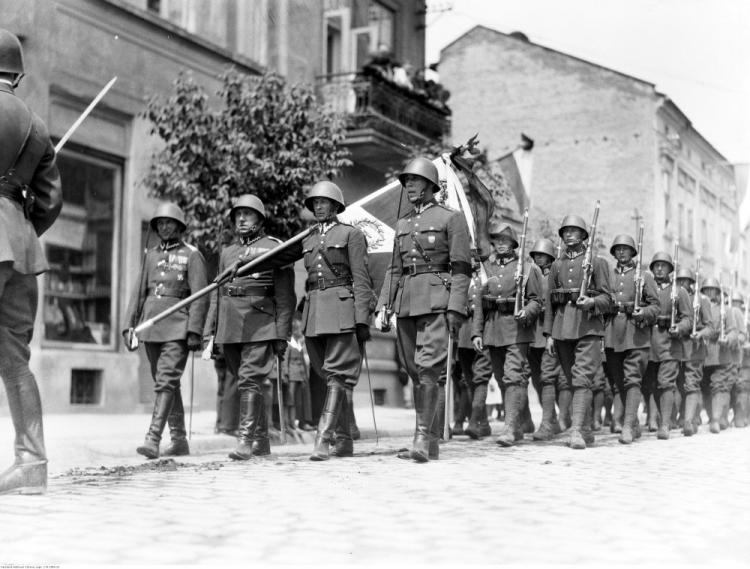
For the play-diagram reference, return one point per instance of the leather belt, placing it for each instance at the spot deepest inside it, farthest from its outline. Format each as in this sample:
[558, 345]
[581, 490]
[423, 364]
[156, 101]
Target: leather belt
[160, 291]
[500, 304]
[322, 283]
[418, 269]
[248, 290]
[624, 308]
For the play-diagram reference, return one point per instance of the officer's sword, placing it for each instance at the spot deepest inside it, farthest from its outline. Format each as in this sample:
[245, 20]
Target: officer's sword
[84, 114]
[282, 422]
[192, 390]
[448, 390]
[372, 401]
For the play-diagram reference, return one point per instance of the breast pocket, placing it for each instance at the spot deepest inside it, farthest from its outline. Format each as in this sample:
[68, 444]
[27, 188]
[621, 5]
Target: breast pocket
[307, 255]
[346, 309]
[430, 239]
[337, 253]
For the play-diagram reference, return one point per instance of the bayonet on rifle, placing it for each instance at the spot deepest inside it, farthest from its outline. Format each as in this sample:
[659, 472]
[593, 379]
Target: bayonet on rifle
[588, 260]
[696, 297]
[639, 272]
[520, 289]
[673, 293]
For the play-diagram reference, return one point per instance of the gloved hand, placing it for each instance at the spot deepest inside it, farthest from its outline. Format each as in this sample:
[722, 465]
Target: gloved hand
[130, 340]
[194, 342]
[455, 320]
[586, 303]
[478, 344]
[279, 347]
[363, 333]
[228, 274]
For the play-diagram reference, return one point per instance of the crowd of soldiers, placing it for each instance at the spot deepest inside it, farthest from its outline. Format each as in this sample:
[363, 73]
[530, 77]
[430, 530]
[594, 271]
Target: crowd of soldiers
[567, 320]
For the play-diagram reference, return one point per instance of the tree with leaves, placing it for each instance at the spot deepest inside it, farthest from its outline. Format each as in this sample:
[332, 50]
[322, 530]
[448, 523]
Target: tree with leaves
[264, 137]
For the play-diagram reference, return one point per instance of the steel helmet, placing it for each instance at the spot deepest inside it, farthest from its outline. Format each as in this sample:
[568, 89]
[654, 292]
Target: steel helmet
[545, 246]
[11, 54]
[170, 211]
[574, 221]
[249, 201]
[661, 256]
[498, 228]
[421, 167]
[686, 273]
[326, 189]
[623, 239]
[710, 282]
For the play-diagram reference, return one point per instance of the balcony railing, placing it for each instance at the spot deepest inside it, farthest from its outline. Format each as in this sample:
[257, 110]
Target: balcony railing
[371, 102]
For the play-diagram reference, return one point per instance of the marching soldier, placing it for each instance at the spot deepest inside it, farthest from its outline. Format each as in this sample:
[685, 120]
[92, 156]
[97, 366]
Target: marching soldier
[546, 374]
[742, 388]
[739, 339]
[695, 351]
[574, 324]
[718, 371]
[667, 350]
[628, 334]
[172, 270]
[30, 201]
[251, 318]
[495, 324]
[432, 266]
[336, 315]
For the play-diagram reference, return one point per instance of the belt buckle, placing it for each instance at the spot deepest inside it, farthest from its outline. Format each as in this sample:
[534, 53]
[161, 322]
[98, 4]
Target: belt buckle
[413, 268]
[321, 283]
[159, 290]
[231, 289]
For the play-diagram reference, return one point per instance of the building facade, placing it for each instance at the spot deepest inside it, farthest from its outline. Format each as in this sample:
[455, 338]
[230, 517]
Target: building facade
[599, 135]
[74, 47]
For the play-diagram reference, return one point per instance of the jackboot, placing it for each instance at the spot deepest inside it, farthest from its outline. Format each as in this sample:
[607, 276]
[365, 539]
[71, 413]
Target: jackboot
[460, 408]
[691, 407]
[252, 409]
[515, 397]
[351, 417]
[564, 403]
[429, 396]
[405, 453]
[666, 402]
[162, 408]
[343, 437]
[527, 423]
[546, 429]
[178, 444]
[630, 418]
[598, 405]
[335, 403]
[580, 412]
[261, 442]
[676, 417]
[716, 403]
[618, 411]
[478, 412]
[28, 474]
[438, 427]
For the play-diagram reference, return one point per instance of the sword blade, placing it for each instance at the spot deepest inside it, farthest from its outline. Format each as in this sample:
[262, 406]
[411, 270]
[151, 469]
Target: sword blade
[84, 114]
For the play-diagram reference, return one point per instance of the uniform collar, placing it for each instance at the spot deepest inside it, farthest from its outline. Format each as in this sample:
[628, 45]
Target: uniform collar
[573, 252]
[324, 227]
[505, 259]
[169, 245]
[418, 209]
[622, 269]
[247, 240]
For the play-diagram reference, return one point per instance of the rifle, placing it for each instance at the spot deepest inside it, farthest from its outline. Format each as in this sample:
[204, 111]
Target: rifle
[638, 280]
[696, 297]
[588, 260]
[673, 293]
[722, 313]
[520, 292]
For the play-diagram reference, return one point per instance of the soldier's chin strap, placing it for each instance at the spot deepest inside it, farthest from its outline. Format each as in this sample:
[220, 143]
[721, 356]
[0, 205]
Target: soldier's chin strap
[251, 233]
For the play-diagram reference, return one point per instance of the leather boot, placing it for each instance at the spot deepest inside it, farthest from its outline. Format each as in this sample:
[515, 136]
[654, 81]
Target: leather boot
[546, 428]
[564, 402]
[598, 405]
[356, 435]
[666, 402]
[527, 423]
[618, 412]
[438, 427]
[335, 403]
[716, 402]
[162, 408]
[478, 412]
[653, 413]
[630, 418]
[405, 453]
[463, 403]
[252, 407]
[178, 445]
[28, 474]
[261, 445]
[608, 404]
[691, 406]
[343, 435]
[676, 417]
[515, 397]
[580, 412]
[429, 395]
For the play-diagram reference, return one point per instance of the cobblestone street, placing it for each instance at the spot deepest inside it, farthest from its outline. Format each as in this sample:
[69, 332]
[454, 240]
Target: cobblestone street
[683, 500]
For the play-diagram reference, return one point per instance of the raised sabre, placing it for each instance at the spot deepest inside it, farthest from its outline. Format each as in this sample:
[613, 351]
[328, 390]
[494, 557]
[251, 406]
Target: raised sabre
[84, 114]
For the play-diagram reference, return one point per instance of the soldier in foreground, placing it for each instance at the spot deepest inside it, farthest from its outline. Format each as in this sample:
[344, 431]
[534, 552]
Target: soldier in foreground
[628, 336]
[506, 333]
[432, 266]
[574, 322]
[251, 318]
[30, 201]
[171, 271]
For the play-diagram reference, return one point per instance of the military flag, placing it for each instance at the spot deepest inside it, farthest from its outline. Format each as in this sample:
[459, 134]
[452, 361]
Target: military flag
[516, 167]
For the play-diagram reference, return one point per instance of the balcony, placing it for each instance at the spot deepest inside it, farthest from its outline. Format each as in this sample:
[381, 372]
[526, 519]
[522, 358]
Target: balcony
[381, 116]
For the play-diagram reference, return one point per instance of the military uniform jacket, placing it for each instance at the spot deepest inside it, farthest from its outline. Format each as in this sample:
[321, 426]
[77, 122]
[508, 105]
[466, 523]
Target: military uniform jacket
[256, 307]
[738, 337]
[336, 309]
[34, 168]
[622, 332]
[539, 340]
[567, 321]
[717, 354]
[464, 333]
[664, 347]
[695, 350]
[496, 324]
[443, 235]
[171, 272]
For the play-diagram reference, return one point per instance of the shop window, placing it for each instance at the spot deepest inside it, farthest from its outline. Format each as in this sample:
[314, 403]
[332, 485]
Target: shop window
[80, 247]
[85, 386]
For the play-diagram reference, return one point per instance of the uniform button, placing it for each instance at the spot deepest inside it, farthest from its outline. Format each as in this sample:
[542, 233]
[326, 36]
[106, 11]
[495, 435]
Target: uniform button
[162, 273]
[320, 274]
[416, 225]
[319, 266]
[418, 217]
[570, 280]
